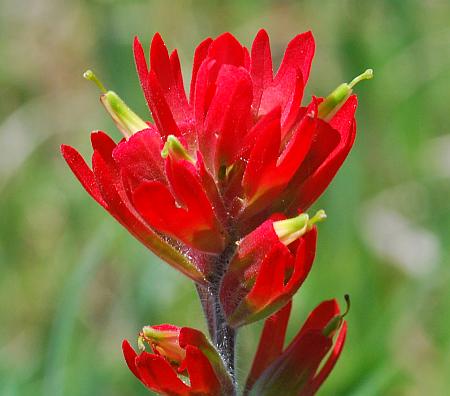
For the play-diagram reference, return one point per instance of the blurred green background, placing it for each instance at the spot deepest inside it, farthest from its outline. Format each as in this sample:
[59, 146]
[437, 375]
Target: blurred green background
[73, 283]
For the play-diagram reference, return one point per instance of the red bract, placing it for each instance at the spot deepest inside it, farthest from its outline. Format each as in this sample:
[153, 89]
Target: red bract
[183, 362]
[297, 369]
[237, 150]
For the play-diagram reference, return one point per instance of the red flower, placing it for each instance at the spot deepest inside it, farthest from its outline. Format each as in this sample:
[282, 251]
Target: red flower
[239, 149]
[268, 268]
[297, 369]
[183, 362]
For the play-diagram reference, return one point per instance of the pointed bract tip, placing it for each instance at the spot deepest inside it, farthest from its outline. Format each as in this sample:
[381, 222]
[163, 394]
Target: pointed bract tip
[136, 43]
[157, 39]
[262, 33]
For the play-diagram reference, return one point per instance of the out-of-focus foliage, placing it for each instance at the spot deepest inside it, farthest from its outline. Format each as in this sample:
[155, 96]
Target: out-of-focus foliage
[73, 283]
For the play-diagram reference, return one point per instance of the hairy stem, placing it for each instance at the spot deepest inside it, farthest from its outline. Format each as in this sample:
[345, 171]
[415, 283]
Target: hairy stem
[222, 335]
[224, 339]
[207, 301]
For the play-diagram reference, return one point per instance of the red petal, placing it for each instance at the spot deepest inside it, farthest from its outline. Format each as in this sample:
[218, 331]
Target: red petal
[168, 73]
[331, 146]
[298, 145]
[268, 172]
[201, 374]
[140, 157]
[264, 154]
[267, 121]
[161, 111]
[292, 370]
[270, 279]
[141, 64]
[319, 318]
[121, 208]
[228, 117]
[158, 375]
[194, 224]
[130, 357]
[261, 68]
[325, 371]
[271, 343]
[178, 82]
[192, 337]
[211, 189]
[246, 265]
[199, 56]
[285, 91]
[299, 54]
[83, 173]
[156, 204]
[204, 92]
[304, 259]
[269, 283]
[103, 144]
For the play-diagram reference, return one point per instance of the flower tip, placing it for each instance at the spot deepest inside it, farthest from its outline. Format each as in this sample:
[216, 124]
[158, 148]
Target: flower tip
[319, 216]
[141, 343]
[347, 302]
[174, 147]
[170, 142]
[367, 75]
[90, 76]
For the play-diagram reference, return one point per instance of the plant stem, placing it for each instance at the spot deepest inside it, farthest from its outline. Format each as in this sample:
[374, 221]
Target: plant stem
[222, 335]
[224, 338]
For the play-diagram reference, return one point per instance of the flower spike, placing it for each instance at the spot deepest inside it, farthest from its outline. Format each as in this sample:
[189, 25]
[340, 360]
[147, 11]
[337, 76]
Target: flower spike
[126, 120]
[333, 102]
[218, 185]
